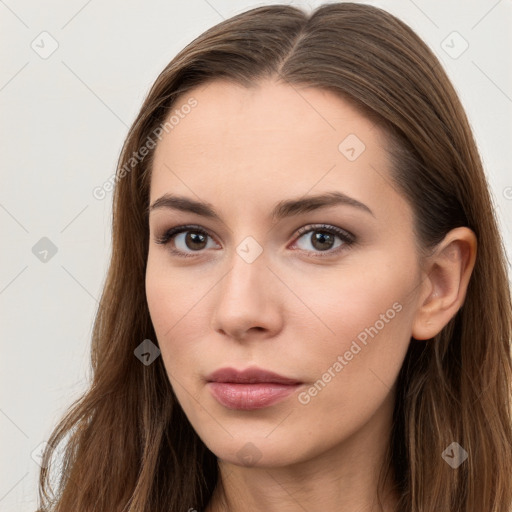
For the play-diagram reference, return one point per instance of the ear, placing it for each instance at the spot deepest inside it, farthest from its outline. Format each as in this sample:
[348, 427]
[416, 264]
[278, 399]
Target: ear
[446, 277]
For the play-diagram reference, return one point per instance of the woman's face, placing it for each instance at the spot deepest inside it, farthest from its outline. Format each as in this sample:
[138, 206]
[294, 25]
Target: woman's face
[329, 307]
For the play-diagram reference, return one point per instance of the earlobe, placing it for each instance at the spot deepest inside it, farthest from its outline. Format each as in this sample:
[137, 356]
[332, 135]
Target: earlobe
[447, 274]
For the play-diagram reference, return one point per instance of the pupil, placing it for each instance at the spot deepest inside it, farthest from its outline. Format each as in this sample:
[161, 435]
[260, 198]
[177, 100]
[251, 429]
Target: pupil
[321, 238]
[195, 238]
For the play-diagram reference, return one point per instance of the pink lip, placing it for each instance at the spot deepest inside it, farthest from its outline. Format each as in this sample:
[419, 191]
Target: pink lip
[249, 389]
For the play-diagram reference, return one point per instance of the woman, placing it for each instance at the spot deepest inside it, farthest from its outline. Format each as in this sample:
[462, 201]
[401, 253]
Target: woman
[307, 304]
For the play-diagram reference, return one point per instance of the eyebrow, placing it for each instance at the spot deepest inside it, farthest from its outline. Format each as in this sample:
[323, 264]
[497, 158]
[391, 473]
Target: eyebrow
[283, 209]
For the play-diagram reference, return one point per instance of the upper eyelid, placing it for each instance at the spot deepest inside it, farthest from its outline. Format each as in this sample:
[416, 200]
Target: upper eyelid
[275, 223]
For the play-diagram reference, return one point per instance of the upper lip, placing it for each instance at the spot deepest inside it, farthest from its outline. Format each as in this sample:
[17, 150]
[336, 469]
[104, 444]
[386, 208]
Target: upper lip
[249, 376]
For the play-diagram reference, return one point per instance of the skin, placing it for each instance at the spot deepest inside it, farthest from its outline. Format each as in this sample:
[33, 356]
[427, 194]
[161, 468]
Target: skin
[296, 307]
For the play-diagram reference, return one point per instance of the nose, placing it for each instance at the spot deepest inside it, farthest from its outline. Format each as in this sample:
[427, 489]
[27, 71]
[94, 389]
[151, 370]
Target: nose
[248, 301]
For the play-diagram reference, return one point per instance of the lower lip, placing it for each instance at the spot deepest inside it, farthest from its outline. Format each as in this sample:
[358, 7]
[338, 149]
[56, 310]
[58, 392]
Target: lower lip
[248, 397]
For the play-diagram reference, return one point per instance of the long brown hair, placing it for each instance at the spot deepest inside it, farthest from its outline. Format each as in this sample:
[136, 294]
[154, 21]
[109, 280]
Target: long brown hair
[129, 446]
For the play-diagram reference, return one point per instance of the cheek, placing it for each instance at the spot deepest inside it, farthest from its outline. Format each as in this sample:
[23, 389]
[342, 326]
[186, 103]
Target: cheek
[354, 297]
[354, 367]
[174, 305]
[166, 298]
[158, 295]
[170, 293]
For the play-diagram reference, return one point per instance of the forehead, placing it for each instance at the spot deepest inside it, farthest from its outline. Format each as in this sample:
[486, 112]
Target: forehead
[271, 140]
[279, 115]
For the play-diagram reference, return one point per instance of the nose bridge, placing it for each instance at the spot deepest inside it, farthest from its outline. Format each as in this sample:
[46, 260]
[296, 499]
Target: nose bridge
[248, 259]
[248, 266]
[245, 297]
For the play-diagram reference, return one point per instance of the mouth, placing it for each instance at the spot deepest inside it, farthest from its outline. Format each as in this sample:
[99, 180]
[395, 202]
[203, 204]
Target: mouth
[253, 388]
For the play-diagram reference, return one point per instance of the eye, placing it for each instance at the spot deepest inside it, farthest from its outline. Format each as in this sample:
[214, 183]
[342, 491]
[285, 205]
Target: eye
[185, 238]
[322, 238]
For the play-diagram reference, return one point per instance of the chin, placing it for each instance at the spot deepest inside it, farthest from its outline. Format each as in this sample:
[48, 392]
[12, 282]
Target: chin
[259, 451]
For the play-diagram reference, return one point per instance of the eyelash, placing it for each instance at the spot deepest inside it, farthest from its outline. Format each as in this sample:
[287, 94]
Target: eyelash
[347, 238]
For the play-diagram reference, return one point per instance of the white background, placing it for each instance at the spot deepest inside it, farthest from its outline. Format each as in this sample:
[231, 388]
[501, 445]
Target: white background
[63, 122]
